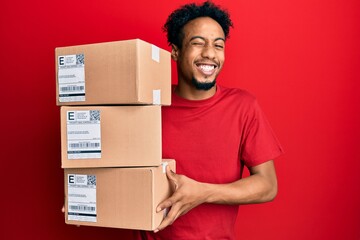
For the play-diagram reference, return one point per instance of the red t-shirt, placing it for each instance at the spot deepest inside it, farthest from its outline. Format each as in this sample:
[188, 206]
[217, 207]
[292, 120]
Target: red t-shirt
[209, 139]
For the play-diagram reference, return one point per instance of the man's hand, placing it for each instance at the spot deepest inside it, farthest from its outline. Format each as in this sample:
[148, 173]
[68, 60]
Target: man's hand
[187, 194]
[260, 186]
[63, 211]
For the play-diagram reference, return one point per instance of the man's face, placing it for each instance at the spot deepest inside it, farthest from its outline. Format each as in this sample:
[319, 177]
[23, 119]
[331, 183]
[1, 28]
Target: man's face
[201, 57]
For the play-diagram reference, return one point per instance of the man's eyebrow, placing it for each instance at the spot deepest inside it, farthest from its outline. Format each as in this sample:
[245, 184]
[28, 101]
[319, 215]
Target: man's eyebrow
[194, 37]
[202, 38]
[219, 38]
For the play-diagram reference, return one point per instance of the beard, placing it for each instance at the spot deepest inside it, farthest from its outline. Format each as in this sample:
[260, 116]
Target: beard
[203, 85]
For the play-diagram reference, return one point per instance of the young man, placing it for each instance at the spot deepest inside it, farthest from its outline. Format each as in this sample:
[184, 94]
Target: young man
[212, 132]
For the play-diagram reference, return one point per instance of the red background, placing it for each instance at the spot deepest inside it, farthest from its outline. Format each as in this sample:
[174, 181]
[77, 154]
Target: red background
[300, 58]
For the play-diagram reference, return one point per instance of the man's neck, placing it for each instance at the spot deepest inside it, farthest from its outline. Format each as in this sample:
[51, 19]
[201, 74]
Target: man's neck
[191, 93]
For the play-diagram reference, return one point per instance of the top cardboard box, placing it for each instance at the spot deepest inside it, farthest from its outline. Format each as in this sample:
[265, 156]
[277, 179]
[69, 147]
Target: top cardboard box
[121, 72]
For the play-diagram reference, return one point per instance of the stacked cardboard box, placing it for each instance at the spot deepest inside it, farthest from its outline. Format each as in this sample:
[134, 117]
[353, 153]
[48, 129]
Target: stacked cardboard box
[110, 96]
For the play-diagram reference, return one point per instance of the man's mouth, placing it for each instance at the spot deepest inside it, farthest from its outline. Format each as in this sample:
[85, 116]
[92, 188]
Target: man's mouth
[206, 69]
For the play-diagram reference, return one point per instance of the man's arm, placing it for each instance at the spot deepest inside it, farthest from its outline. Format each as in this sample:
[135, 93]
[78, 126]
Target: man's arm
[260, 186]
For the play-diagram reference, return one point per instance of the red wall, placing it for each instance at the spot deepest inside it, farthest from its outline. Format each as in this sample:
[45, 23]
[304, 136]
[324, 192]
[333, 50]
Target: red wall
[300, 58]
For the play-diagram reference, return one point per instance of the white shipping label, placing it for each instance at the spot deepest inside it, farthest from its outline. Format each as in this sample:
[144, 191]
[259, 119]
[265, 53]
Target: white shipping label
[71, 78]
[81, 197]
[83, 134]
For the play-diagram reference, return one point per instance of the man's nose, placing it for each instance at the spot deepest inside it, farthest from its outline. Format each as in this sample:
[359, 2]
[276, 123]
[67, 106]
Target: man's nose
[208, 52]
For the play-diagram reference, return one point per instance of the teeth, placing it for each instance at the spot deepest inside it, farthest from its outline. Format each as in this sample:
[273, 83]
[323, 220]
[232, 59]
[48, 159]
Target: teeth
[207, 67]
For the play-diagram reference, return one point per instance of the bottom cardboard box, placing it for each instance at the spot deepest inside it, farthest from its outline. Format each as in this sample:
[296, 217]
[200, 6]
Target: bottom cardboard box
[116, 197]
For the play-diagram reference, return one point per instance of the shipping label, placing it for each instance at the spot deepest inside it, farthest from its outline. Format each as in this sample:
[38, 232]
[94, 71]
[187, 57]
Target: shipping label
[83, 134]
[81, 197]
[71, 78]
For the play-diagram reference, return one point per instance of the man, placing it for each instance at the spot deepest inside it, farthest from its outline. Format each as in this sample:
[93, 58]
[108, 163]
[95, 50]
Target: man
[212, 132]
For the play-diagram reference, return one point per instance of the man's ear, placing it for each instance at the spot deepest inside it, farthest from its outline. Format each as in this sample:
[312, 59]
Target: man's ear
[174, 52]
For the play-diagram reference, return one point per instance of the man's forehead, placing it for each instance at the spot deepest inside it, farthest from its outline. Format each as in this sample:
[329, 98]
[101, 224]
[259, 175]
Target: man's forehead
[203, 27]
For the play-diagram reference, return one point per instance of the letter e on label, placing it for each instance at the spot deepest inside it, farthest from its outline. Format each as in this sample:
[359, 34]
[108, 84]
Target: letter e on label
[71, 179]
[71, 116]
[62, 61]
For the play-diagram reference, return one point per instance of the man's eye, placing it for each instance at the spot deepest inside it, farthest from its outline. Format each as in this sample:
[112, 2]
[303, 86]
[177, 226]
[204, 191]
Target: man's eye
[219, 46]
[197, 43]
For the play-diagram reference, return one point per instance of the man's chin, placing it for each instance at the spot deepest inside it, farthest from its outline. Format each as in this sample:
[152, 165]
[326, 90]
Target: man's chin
[203, 85]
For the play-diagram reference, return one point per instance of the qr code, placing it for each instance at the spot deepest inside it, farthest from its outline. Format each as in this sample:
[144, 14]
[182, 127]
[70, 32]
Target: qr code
[79, 59]
[94, 115]
[91, 180]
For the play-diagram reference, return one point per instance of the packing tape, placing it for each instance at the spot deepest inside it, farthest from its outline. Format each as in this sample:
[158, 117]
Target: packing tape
[164, 164]
[157, 97]
[155, 53]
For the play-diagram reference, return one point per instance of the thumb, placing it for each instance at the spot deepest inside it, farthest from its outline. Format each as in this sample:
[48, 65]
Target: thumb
[172, 176]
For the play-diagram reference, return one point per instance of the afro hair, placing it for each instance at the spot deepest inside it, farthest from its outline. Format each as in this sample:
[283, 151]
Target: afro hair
[181, 16]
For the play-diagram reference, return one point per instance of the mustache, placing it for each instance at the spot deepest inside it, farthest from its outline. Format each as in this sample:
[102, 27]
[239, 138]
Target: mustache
[208, 62]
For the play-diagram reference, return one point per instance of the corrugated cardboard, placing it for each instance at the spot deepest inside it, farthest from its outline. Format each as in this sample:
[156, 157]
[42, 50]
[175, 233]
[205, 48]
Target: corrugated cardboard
[129, 136]
[125, 197]
[121, 72]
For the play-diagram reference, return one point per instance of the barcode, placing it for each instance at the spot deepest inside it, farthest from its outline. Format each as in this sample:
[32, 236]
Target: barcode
[91, 180]
[72, 88]
[82, 208]
[94, 115]
[80, 59]
[84, 145]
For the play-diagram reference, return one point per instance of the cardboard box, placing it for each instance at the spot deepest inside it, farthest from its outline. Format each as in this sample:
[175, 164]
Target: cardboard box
[111, 136]
[121, 72]
[116, 197]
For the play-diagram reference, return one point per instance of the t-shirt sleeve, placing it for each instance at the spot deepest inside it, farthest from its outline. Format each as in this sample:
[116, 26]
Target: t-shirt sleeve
[259, 143]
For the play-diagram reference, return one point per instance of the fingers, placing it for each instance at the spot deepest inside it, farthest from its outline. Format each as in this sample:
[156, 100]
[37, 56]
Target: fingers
[180, 202]
[171, 175]
[165, 204]
[173, 178]
[170, 218]
[170, 203]
[63, 211]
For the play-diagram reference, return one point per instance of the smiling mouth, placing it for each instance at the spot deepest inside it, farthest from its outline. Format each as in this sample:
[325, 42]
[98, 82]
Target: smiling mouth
[206, 69]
